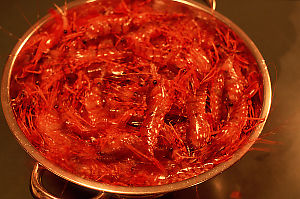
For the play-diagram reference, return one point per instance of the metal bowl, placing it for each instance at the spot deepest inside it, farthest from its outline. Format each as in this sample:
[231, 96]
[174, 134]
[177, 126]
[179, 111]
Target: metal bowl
[39, 191]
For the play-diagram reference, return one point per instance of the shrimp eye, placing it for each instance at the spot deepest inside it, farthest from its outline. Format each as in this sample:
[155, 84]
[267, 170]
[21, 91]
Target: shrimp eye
[154, 82]
[65, 31]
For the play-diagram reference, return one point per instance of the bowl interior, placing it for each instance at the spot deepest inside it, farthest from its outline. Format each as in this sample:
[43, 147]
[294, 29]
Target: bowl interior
[160, 4]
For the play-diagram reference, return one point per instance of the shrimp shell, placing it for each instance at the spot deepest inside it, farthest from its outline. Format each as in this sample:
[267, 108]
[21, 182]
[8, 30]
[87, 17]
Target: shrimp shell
[198, 133]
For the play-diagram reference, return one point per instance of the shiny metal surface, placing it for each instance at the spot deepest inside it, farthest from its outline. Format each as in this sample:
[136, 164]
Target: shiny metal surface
[39, 191]
[37, 188]
[278, 43]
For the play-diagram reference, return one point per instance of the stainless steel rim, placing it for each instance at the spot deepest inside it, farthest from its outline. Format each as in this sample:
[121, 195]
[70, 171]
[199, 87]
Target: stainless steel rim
[134, 190]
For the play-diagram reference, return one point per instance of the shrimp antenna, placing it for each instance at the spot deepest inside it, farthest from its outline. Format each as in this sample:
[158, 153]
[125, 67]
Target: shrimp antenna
[8, 32]
[24, 16]
[63, 13]
[38, 10]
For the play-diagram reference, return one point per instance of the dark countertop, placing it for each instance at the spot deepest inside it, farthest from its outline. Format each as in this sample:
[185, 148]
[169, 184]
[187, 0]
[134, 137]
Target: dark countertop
[269, 173]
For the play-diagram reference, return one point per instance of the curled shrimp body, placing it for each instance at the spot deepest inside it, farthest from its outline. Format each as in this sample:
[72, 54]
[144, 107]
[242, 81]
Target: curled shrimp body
[237, 118]
[239, 93]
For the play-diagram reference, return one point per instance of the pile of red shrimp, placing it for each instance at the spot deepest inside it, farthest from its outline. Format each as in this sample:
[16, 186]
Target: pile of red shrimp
[126, 94]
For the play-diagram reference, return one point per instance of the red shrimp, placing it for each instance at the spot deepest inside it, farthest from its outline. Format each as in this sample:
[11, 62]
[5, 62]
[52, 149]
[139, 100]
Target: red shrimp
[149, 43]
[231, 82]
[106, 25]
[50, 38]
[80, 56]
[77, 152]
[172, 141]
[139, 19]
[114, 144]
[48, 121]
[143, 36]
[93, 103]
[50, 75]
[50, 125]
[238, 97]
[25, 112]
[199, 131]
[237, 119]
[112, 55]
[160, 103]
[234, 81]
[160, 45]
[216, 99]
[117, 23]
[198, 58]
[83, 114]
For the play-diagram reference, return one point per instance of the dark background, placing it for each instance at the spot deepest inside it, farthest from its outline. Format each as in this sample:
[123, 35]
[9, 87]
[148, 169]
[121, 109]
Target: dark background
[274, 172]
